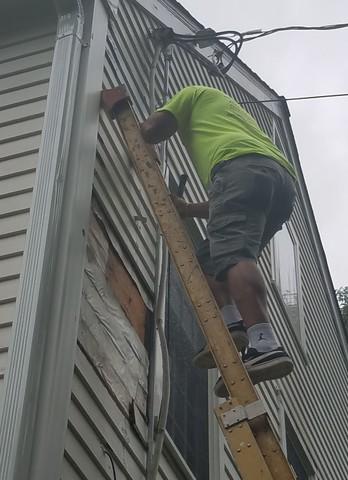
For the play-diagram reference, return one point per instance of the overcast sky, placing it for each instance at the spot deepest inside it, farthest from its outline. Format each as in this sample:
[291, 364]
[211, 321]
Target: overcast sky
[299, 64]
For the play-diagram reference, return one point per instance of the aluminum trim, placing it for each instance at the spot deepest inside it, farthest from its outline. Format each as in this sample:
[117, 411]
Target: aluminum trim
[38, 383]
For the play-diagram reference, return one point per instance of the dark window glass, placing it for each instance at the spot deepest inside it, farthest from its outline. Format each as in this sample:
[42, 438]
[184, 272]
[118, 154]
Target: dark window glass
[296, 456]
[295, 461]
[188, 413]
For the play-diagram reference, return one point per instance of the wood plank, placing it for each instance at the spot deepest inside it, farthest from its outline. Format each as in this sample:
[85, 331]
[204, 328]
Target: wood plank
[119, 280]
[127, 294]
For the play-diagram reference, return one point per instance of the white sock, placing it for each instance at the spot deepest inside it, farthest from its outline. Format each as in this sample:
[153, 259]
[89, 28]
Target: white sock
[230, 314]
[261, 337]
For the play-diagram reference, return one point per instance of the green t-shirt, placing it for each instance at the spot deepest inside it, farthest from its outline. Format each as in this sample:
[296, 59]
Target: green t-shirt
[213, 127]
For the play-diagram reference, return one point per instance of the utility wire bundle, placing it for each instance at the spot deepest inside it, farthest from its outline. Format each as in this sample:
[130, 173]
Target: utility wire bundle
[228, 41]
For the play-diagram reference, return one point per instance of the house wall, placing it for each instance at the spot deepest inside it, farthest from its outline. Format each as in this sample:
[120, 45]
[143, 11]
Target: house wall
[109, 393]
[26, 54]
[304, 394]
[108, 407]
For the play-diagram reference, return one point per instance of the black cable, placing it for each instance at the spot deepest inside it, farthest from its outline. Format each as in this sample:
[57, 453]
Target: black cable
[208, 35]
[238, 46]
[112, 462]
[233, 46]
[295, 27]
[282, 99]
[236, 39]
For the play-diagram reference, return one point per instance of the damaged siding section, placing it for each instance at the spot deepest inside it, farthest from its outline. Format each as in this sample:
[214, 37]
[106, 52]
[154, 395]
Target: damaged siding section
[106, 333]
[111, 368]
[109, 392]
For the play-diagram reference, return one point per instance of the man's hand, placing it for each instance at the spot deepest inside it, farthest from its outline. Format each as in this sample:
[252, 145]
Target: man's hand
[189, 210]
[181, 206]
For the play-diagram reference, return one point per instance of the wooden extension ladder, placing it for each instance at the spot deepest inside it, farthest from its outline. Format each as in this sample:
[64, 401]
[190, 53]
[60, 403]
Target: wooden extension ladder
[242, 418]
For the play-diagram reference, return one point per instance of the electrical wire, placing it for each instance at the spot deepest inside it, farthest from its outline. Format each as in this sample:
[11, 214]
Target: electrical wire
[157, 432]
[336, 26]
[290, 99]
[112, 462]
[236, 39]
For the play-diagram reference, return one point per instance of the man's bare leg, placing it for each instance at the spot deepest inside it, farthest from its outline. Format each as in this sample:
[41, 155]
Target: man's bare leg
[232, 319]
[220, 291]
[246, 286]
[265, 358]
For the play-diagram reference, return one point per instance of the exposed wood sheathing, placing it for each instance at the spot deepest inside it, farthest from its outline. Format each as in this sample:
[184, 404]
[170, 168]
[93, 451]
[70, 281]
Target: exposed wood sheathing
[106, 332]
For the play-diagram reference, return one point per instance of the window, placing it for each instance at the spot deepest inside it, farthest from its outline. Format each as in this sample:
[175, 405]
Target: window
[286, 277]
[291, 444]
[296, 455]
[188, 412]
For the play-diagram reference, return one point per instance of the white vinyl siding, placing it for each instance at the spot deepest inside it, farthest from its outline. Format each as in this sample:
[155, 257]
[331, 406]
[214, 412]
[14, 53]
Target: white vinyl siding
[320, 377]
[96, 421]
[25, 60]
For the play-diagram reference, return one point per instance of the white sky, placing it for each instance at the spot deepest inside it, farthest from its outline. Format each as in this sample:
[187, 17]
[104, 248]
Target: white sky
[299, 64]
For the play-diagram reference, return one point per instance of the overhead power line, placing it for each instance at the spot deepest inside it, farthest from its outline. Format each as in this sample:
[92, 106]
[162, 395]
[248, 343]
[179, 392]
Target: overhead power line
[262, 33]
[208, 37]
[290, 99]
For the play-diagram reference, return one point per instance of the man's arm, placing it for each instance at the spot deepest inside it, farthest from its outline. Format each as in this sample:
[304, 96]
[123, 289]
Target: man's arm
[189, 210]
[199, 210]
[159, 126]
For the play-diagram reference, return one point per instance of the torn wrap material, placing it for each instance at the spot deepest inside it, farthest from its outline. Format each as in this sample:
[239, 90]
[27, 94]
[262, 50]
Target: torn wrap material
[107, 335]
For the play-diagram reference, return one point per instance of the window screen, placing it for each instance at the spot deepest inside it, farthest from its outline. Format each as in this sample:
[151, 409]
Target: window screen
[286, 275]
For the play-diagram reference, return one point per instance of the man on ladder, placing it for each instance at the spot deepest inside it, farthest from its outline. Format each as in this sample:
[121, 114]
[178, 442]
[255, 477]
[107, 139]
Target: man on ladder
[251, 194]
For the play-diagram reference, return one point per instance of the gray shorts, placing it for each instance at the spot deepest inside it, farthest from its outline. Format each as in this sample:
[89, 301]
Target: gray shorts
[249, 200]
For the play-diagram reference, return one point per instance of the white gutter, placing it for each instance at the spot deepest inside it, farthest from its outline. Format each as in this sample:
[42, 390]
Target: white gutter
[41, 357]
